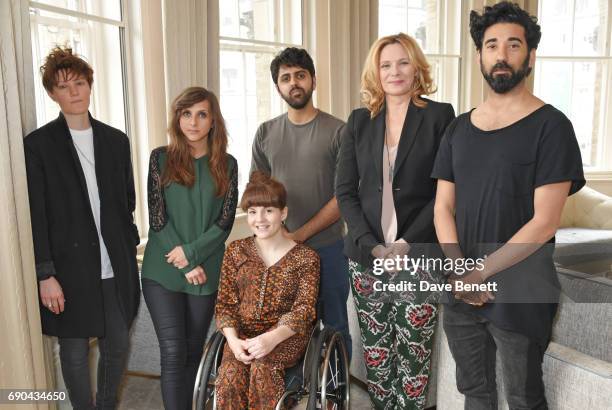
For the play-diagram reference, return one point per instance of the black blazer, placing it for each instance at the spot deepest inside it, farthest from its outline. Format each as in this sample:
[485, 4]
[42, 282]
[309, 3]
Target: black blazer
[64, 232]
[359, 177]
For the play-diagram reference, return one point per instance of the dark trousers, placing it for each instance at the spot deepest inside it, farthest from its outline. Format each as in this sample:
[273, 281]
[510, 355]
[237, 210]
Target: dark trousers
[473, 342]
[74, 357]
[334, 289]
[181, 322]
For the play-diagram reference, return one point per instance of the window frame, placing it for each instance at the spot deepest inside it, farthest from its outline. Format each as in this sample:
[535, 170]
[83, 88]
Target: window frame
[603, 171]
[443, 10]
[255, 46]
[127, 71]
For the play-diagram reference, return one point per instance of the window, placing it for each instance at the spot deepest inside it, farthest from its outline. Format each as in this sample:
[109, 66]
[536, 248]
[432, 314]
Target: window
[436, 26]
[95, 30]
[252, 32]
[572, 72]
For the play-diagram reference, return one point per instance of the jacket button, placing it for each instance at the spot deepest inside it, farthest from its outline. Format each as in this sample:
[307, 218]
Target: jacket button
[379, 188]
[94, 243]
[396, 189]
[76, 244]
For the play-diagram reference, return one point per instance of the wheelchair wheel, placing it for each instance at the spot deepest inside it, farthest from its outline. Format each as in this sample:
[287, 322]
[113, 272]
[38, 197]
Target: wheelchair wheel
[329, 380]
[204, 390]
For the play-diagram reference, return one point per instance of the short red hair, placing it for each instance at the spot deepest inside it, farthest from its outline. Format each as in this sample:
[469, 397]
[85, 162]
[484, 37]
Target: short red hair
[263, 190]
[62, 59]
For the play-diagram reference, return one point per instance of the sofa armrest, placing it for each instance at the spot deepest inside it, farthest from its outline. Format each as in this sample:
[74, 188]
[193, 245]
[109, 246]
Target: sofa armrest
[592, 209]
[573, 357]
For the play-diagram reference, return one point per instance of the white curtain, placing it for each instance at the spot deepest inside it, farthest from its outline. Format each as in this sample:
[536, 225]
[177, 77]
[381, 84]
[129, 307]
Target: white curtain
[338, 34]
[22, 363]
[191, 45]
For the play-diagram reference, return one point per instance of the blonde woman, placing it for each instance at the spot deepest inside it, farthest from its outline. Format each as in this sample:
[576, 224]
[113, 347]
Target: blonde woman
[386, 197]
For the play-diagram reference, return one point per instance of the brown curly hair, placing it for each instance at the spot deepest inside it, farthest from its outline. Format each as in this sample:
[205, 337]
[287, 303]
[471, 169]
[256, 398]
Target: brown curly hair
[63, 59]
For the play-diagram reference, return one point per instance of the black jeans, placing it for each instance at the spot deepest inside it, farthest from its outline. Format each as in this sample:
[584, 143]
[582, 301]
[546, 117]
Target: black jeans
[74, 357]
[473, 342]
[181, 322]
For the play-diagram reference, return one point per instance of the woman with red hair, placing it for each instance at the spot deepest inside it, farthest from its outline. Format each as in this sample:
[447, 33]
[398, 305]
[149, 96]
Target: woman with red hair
[266, 303]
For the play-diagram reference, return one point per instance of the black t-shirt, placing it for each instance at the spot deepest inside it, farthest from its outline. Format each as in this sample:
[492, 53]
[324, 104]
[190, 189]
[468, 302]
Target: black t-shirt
[495, 175]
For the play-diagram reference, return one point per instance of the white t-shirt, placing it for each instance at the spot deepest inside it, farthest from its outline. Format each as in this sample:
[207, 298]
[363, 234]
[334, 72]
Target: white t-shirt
[83, 142]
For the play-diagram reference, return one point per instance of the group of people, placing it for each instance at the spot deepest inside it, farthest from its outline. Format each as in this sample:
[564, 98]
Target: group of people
[401, 171]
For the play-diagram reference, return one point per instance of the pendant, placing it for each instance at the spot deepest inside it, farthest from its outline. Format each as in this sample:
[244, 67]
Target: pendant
[390, 173]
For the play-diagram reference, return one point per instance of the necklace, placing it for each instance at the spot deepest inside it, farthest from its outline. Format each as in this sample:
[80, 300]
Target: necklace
[84, 156]
[389, 157]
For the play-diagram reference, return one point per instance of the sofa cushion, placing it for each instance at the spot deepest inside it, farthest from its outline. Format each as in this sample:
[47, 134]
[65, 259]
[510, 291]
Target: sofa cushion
[588, 209]
[576, 236]
[585, 327]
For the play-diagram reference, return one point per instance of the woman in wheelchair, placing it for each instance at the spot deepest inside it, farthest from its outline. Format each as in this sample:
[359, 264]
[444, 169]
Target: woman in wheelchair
[266, 302]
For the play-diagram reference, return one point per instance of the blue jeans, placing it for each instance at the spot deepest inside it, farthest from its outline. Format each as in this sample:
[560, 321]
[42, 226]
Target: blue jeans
[473, 342]
[334, 289]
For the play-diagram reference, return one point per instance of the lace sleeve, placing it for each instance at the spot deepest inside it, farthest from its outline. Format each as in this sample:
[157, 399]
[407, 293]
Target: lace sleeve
[226, 220]
[157, 205]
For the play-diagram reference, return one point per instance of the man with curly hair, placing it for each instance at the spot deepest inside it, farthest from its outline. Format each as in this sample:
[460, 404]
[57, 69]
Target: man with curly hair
[504, 171]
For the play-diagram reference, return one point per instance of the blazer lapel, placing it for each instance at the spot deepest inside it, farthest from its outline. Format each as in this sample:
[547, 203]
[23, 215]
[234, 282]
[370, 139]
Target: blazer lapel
[377, 140]
[101, 159]
[414, 116]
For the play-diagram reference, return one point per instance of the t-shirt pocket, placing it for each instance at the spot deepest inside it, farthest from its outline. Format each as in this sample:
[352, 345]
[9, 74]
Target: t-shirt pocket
[515, 177]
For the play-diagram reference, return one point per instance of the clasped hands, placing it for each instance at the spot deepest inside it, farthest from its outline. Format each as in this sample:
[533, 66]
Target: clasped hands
[398, 248]
[247, 350]
[473, 277]
[176, 257]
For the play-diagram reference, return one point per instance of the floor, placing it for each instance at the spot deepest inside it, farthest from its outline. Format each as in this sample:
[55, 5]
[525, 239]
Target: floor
[141, 393]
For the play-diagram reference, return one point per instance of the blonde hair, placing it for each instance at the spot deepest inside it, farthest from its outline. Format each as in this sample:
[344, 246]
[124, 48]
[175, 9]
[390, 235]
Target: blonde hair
[372, 94]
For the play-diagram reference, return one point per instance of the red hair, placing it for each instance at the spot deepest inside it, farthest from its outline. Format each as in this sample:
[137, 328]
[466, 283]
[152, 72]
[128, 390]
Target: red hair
[263, 190]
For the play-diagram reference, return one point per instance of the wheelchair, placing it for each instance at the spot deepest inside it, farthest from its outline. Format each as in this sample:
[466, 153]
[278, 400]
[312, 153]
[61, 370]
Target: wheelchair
[322, 375]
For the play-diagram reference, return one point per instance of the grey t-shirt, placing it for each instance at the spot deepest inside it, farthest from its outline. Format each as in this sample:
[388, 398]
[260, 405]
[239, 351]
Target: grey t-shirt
[302, 157]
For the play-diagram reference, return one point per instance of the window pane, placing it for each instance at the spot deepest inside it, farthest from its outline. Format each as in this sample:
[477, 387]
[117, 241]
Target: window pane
[262, 20]
[99, 45]
[248, 98]
[445, 73]
[434, 24]
[110, 9]
[581, 98]
[573, 27]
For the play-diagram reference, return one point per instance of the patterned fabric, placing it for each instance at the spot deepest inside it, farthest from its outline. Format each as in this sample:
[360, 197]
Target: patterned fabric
[260, 385]
[253, 298]
[397, 337]
[226, 219]
[157, 205]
